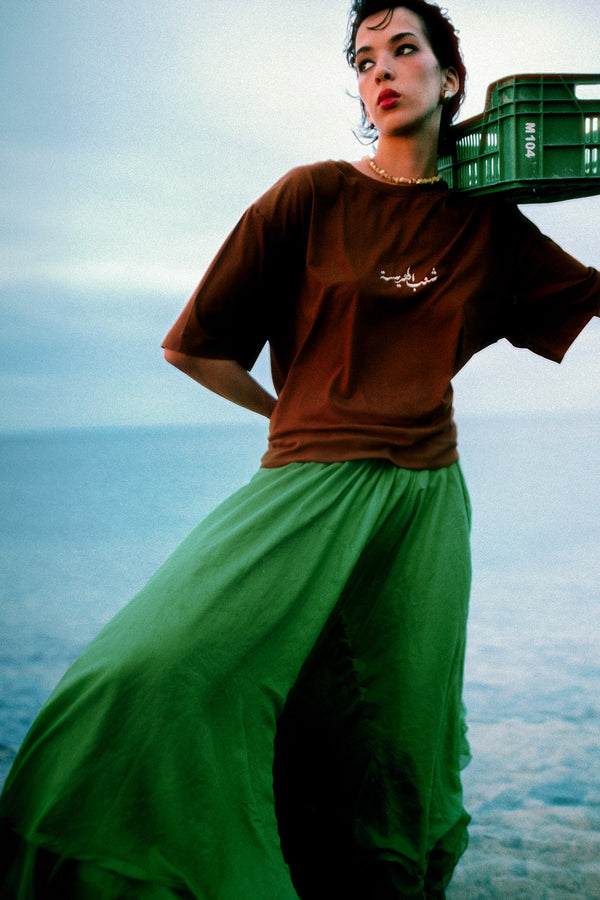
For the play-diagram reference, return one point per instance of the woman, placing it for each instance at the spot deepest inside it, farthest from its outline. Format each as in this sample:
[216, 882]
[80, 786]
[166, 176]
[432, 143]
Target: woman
[278, 713]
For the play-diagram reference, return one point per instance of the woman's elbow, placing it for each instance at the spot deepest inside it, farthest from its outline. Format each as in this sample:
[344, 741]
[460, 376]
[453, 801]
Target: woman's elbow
[173, 357]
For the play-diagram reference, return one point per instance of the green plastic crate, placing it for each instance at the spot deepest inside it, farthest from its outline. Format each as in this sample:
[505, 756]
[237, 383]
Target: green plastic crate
[537, 141]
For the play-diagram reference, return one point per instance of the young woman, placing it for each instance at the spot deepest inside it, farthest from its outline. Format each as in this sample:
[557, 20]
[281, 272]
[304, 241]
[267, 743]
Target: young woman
[278, 713]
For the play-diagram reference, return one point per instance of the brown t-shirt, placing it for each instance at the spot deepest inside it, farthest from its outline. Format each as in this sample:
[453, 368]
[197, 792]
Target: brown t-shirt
[372, 296]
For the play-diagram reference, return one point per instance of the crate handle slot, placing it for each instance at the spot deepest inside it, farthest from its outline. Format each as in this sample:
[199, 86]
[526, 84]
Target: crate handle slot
[587, 91]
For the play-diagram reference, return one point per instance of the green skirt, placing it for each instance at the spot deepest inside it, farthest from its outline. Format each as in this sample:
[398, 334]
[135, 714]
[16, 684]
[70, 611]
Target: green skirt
[277, 714]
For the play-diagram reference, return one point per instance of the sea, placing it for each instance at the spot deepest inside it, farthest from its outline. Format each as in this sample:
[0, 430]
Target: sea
[86, 517]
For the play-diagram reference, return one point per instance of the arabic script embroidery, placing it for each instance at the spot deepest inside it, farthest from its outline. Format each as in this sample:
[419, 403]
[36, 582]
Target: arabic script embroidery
[409, 279]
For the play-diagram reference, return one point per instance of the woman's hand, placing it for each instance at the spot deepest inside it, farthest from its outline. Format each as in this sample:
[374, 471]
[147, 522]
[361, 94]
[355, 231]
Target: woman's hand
[227, 378]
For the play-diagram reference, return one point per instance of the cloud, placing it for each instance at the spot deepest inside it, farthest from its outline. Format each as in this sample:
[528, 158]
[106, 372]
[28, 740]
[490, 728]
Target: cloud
[135, 135]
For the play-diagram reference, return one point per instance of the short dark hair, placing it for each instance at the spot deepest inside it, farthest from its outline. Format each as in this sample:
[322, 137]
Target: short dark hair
[444, 41]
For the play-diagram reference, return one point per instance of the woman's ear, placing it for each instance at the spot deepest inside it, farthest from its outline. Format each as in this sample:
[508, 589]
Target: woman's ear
[450, 83]
[366, 115]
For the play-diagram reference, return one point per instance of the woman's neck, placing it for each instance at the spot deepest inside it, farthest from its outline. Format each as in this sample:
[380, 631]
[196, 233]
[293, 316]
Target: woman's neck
[407, 157]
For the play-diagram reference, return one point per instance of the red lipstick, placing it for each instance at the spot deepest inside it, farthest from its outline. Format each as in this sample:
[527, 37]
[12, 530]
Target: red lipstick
[387, 98]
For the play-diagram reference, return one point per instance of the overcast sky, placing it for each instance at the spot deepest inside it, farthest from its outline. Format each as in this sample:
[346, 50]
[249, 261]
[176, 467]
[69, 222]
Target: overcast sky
[134, 134]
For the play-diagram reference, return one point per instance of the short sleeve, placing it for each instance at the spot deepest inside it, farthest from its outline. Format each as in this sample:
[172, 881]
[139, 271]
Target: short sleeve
[238, 303]
[554, 295]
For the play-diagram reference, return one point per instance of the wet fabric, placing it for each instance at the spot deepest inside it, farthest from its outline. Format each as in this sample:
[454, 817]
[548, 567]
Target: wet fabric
[277, 712]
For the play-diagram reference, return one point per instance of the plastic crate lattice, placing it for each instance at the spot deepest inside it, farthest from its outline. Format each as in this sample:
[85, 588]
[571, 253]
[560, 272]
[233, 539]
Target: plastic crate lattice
[536, 141]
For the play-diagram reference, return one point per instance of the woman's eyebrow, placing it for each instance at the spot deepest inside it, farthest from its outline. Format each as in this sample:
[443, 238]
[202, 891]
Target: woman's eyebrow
[393, 40]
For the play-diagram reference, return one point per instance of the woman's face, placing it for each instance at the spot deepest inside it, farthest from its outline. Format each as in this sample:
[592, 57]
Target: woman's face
[400, 81]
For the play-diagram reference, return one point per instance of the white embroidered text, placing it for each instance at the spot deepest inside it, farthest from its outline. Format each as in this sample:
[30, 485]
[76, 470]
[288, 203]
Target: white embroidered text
[409, 279]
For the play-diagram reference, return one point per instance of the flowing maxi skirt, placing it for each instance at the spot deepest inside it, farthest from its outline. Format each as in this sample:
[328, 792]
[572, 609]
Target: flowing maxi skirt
[277, 714]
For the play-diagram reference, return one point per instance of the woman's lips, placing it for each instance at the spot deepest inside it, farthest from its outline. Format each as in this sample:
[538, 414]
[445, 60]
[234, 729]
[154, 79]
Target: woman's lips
[387, 99]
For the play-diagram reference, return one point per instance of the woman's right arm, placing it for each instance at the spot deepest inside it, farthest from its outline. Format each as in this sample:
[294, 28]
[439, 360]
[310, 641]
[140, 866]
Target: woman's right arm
[225, 377]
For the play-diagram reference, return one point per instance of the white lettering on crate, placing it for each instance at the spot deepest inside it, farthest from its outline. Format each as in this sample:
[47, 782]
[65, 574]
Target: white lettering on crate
[530, 140]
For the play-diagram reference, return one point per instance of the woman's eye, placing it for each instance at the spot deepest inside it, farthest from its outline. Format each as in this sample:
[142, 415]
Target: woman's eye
[401, 50]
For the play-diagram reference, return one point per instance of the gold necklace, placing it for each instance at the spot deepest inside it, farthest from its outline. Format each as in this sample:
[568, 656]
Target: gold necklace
[396, 179]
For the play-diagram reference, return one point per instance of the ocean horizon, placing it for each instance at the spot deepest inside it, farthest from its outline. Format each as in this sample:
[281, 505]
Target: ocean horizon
[87, 516]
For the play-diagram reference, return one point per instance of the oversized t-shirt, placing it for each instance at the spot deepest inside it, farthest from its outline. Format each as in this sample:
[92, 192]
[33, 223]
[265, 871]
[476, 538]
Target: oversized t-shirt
[371, 297]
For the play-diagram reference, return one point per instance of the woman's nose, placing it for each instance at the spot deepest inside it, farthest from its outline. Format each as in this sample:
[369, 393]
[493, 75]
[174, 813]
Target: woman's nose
[383, 73]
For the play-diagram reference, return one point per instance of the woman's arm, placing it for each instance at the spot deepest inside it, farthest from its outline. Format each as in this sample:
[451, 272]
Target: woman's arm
[225, 377]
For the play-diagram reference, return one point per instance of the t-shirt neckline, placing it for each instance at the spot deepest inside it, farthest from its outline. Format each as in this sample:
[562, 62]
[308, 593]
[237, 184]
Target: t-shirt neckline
[395, 189]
